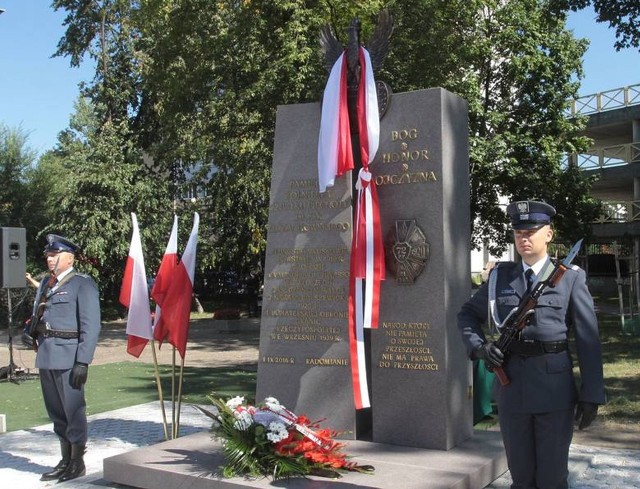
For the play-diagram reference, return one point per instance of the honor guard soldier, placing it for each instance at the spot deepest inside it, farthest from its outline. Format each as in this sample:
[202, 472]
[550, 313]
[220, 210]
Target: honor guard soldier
[538, 406]
[65, 326]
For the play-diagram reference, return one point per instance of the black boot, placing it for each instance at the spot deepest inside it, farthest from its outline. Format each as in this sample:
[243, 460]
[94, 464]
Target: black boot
[58, 470]
[76, 466]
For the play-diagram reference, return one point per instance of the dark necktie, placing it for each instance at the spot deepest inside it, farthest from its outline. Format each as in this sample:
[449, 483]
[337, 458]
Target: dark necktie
[528, 275]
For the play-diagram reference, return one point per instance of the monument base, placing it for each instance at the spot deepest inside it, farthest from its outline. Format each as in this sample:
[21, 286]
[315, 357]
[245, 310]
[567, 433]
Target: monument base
[191, 462]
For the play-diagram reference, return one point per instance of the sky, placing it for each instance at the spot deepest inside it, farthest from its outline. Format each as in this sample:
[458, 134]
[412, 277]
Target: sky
[38, 92]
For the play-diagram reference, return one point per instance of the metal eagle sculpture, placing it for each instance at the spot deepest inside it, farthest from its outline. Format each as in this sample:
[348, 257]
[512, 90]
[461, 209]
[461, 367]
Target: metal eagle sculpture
[378, 46]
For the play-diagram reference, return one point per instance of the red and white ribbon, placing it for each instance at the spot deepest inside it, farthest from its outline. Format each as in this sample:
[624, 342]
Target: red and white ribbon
[289, 419]
[367, 250]
[367, 269]
[334, 159]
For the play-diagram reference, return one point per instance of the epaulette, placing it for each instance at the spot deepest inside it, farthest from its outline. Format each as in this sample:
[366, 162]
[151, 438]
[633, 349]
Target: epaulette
[573, 266]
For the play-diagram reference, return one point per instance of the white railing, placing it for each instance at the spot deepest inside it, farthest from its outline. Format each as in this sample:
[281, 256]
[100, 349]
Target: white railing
[619, 211]
[620, 154]
[609, 100]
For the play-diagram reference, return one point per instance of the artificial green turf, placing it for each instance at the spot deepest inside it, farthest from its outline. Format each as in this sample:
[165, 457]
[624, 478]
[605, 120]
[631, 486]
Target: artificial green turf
[117, 385]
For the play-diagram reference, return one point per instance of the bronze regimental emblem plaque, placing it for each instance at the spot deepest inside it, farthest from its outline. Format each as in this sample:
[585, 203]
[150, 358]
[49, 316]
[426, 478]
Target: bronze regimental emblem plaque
[409, 252]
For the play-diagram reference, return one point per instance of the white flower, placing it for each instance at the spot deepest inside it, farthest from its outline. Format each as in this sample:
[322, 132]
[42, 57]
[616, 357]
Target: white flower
[271, 400]
[243, 420]
[277, 432]
[235, 402]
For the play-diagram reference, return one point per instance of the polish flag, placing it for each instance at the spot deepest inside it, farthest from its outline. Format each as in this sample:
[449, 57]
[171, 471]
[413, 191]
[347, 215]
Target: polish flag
[163, 280]
[176, 306]
[134, 295]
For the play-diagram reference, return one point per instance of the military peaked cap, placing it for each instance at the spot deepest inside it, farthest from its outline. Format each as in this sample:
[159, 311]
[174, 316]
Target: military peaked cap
[530, 214]
[56, 244]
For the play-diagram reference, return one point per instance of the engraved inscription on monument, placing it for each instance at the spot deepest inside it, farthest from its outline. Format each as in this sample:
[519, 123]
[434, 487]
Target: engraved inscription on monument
[304, 340]
[406, 346]
[305, 287]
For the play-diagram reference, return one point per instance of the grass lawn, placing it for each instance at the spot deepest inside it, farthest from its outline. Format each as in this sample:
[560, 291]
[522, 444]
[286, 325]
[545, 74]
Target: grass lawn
[118, 385]
[621, 359]
[621, 365]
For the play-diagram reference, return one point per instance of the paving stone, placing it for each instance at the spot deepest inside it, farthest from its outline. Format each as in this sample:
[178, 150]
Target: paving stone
[25, 454]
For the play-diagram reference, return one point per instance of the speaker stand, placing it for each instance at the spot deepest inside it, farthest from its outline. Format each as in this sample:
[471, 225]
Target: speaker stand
[12, 370]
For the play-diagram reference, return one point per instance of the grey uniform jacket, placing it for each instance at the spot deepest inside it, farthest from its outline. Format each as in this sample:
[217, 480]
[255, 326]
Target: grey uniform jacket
[542, 383]
[74, 305]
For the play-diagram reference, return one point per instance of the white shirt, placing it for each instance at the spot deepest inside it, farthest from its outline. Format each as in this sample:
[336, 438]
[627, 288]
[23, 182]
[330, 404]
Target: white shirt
[536, 267]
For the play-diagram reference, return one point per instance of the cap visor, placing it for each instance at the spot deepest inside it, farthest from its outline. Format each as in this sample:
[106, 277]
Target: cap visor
[529, 225]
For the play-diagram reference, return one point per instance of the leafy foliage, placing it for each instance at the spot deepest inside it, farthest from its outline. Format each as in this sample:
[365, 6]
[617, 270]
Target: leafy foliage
[514, 63]
[186, 93]
[15, 161]
[101, 184]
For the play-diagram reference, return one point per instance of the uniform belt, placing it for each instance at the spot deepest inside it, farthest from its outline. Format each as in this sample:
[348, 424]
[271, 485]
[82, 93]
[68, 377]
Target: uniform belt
[45, 330]
[533, 348]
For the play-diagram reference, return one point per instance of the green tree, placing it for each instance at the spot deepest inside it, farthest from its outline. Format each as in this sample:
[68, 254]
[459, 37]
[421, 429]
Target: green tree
[514, 63]
[195, 85]
[107, 178]
[96, 179]
[214, 76]
[19, 203]
[16, 158]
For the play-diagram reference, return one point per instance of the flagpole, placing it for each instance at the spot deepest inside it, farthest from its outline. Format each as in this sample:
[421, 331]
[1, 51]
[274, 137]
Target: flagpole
[160, 395]
[134, 295]
[173, 368]
[177, 430]
[173, 392]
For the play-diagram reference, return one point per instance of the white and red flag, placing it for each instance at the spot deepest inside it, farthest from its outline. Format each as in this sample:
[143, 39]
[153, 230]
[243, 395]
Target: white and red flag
[176, 306]
[335, 157]
[134, 295]
[162, 281]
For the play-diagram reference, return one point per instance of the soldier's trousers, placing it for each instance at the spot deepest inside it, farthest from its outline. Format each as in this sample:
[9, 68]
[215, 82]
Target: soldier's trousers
[65, 405]
[537, 447]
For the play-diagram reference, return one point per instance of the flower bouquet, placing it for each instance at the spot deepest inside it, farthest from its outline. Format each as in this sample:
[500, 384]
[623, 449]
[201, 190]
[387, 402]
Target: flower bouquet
[268, 440]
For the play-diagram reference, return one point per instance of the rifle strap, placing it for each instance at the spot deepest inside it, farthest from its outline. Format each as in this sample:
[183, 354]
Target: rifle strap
[65, 279]
[493, 309]
[544, 274]
[46, 293]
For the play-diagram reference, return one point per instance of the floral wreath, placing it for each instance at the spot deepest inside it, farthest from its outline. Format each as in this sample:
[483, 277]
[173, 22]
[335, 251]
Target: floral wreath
[268, 440]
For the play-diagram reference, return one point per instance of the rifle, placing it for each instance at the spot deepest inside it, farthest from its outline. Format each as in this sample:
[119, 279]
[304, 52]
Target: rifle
[520, 316]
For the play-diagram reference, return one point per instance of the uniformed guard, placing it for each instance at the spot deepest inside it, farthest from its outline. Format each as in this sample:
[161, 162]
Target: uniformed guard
[65, 326]
[538, 407]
